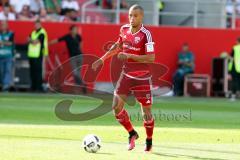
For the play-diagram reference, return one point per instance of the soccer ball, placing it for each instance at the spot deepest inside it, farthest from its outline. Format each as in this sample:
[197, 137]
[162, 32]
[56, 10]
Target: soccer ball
[91, 143]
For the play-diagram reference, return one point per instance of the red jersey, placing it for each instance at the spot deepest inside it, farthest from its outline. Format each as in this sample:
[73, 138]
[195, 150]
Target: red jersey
[139, 43]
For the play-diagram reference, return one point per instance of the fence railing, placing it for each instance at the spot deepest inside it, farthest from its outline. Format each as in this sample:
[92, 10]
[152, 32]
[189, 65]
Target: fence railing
[193, 13]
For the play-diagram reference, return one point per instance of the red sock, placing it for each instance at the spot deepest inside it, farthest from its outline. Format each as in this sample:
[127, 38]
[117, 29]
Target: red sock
[149, 126]
[124, 120]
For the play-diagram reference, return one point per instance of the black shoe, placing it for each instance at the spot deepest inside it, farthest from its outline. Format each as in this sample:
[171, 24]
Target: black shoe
[133, 135]
[148, 145]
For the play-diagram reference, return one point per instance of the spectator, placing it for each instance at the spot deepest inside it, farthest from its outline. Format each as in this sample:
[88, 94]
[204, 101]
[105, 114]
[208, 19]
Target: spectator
[229, 7]
[17, 5]
[70, 8]
[70, 4]
[53, 6]
[229, 11]
[97, 3]
[26, 15]
[73, 41]
[3, 3]
[234, 69]
[112, 4]
[123, 4]
[36, 6]
[185, 66]
[6, 56]
[107, 4]
[37, 49]
[237, 3]
[43, 16]
[232, 6]
[70, 16]
[6, 14]
[161, 6]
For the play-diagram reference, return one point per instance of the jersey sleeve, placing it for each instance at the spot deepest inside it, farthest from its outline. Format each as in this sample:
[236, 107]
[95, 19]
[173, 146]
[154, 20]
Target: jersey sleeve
[63, 38]
[149, 45]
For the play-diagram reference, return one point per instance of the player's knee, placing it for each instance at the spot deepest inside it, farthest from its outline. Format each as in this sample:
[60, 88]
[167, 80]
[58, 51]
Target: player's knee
[117, 105]
[147, 116]
[117, 108]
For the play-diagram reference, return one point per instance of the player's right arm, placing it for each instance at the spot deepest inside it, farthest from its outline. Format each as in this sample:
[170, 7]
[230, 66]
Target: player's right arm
[115, 48]
[112, 51]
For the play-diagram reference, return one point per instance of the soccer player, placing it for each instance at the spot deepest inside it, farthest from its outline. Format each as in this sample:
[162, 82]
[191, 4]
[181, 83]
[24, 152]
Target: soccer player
[134, 45]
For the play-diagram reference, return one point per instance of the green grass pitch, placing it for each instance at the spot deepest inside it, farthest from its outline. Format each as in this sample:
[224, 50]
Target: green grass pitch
[186, 128]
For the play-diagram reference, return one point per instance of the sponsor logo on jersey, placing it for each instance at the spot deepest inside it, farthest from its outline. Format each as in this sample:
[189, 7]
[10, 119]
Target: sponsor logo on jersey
[137, 40]
[148, 102]
[131, 48]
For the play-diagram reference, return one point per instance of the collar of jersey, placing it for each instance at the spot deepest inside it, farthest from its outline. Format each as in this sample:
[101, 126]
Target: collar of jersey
[137, 31]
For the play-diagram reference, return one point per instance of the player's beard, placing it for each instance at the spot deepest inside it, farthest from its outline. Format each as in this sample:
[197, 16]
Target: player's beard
[135, 25]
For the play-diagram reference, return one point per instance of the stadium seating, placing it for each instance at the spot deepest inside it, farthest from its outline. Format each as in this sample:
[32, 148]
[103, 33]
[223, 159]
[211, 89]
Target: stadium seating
[94, 17]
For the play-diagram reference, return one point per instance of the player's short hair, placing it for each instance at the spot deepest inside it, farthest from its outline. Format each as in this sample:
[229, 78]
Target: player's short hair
[137, 6]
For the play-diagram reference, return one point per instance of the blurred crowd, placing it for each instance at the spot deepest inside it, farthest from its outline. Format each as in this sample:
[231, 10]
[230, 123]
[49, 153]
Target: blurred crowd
[232, 7]
[48, 10]
[111, 4]
[45, 10]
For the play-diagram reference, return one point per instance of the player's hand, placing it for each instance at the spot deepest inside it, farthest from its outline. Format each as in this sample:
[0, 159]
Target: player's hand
[123, 56]
[96, 64]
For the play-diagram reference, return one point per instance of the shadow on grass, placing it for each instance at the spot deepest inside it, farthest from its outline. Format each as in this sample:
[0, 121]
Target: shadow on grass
[104, 153]
[203, 150]
[185, 156]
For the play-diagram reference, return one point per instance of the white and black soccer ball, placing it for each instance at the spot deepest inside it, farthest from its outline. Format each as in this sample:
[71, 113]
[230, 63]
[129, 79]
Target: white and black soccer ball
[91, 143]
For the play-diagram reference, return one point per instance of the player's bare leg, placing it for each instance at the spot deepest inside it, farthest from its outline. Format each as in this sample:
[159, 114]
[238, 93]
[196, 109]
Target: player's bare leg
[149, 126]
[123, 118]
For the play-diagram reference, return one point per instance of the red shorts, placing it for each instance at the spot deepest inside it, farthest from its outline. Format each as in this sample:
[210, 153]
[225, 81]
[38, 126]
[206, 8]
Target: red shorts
[140, 87]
